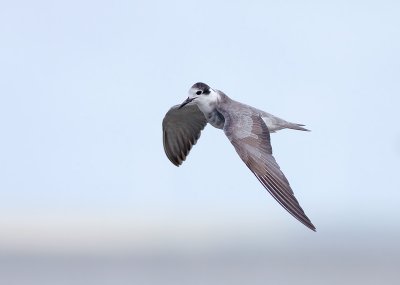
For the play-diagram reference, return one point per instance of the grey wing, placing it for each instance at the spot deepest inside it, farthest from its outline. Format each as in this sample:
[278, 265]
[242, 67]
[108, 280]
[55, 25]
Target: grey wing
[181, 130]
[251, 139]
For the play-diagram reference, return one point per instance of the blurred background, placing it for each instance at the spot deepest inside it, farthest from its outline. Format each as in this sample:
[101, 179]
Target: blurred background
[87, 195]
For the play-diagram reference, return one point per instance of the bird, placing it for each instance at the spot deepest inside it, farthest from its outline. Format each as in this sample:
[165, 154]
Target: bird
[247, 128]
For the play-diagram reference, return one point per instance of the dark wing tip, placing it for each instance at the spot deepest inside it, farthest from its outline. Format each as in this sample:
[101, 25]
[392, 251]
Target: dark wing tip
[308, 224]
[280, 190]
[176, 159]
[177, 164]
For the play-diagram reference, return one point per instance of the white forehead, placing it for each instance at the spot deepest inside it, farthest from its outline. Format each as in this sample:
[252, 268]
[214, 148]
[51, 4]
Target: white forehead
[193, 90]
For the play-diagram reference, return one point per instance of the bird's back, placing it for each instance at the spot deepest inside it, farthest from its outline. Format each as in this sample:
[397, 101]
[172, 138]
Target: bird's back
[273, 123]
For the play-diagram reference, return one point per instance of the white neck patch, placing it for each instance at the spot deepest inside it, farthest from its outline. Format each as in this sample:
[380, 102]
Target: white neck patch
[207, 103]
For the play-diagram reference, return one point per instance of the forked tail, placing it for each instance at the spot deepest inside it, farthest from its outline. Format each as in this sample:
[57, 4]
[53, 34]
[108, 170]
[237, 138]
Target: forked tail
[299, 127]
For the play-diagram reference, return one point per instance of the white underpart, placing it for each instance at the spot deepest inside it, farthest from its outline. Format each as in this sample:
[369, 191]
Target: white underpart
[206, 103]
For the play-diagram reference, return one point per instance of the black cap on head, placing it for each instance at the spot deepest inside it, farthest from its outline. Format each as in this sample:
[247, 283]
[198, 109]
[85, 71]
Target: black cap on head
[203, 87]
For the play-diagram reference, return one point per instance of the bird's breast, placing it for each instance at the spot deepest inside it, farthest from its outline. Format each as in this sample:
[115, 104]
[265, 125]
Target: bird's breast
[215, 118]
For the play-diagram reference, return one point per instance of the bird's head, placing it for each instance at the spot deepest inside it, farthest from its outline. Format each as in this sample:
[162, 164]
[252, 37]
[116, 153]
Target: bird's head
[200, 94]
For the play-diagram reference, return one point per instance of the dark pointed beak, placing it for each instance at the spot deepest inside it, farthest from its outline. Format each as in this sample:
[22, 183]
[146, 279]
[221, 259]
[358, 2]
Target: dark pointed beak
[187, 101]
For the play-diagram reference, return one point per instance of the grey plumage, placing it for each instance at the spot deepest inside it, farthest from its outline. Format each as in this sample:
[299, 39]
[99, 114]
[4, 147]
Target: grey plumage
[181, 130]
[247, 128]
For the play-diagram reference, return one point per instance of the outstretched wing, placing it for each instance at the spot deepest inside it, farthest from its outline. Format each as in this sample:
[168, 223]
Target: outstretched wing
[251, 139]
[181, 130]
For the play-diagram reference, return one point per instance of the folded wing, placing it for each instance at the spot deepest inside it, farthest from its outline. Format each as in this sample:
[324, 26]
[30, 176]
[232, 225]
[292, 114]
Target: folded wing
[181, 130]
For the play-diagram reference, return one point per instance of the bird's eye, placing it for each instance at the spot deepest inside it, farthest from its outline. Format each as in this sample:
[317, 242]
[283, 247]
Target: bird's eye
[198, 92]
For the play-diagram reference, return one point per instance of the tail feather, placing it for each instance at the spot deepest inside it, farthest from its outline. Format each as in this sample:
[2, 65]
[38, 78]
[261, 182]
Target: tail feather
[298, 127]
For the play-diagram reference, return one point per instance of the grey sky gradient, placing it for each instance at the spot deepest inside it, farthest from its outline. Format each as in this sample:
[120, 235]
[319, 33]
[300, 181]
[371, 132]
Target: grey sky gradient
[84, 87]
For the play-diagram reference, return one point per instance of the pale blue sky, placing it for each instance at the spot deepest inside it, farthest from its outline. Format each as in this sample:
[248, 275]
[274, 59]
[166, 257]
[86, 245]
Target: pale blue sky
[84, 87]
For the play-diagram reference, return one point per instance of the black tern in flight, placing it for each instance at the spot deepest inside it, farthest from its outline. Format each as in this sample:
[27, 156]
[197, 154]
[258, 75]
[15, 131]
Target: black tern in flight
[247, 128]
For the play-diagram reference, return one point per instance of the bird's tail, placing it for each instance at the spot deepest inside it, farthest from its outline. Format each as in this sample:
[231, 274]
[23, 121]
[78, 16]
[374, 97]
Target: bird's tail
[298, 127]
